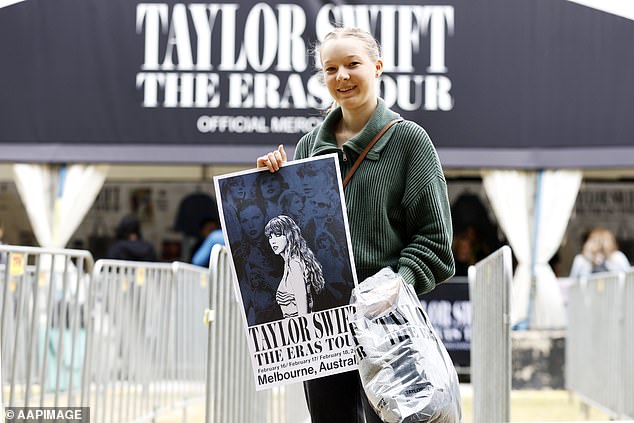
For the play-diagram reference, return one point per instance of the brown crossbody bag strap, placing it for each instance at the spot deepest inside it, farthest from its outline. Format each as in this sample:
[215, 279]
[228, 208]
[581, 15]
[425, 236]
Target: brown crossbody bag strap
[365, 151]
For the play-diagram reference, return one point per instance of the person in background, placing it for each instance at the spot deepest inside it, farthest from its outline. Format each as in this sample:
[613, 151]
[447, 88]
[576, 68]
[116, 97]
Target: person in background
[397, 201]
[202, 252]
[463, 252]
[600, 253]
[129, 244]
[475, 234]
[206, 226]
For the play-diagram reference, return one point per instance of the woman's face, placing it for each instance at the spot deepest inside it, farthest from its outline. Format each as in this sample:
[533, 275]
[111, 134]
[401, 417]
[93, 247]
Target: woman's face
[311, 181]
[252, 221]
[270, 189]
[350, 73]
[278, 243]
[295, 205]
[320, 205]
[236, 189]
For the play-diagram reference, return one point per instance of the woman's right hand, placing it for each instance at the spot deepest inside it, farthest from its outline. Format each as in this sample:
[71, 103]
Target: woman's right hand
[273, 160]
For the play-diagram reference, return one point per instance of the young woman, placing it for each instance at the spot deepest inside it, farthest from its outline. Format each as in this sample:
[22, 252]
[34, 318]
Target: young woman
[302, 278]
[397, 202]
[600, 254]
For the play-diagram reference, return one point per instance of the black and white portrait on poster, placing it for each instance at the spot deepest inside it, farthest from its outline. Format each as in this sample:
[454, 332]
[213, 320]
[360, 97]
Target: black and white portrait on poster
[289, 241]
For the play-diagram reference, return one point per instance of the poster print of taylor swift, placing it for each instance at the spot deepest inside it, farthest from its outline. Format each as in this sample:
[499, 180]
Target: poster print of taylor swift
[289, 244]
[288, 238]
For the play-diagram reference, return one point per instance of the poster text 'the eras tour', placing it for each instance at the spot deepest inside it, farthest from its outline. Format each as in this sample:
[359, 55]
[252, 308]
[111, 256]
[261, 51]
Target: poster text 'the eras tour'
[303, 347]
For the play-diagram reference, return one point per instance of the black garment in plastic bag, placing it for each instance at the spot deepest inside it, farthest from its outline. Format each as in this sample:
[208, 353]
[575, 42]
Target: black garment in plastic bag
[405, 369]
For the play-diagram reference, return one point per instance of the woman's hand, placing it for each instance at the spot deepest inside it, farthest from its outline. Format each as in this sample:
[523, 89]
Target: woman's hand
[273, 160]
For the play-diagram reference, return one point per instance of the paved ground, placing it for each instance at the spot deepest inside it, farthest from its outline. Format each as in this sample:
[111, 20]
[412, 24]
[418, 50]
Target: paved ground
[526, 406]
[539, 406]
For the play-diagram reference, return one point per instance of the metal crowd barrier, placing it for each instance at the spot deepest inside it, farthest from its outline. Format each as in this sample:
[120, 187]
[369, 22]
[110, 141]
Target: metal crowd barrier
[127, 339]
[231, 394]
[42, 325]
[145, 354]
[600, 342]
[628, 346]
[490, 285]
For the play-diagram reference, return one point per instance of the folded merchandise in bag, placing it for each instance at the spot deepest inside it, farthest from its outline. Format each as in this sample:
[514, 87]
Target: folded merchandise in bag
[405, 369]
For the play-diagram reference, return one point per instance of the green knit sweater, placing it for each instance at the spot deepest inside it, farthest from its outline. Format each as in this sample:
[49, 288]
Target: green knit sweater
[397, 204]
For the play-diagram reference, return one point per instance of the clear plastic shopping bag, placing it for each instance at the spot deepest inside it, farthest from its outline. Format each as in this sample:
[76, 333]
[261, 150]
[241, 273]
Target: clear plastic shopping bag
[405, 369]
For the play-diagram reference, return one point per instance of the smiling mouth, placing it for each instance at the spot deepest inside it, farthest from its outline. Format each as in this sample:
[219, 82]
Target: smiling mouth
[345, 90]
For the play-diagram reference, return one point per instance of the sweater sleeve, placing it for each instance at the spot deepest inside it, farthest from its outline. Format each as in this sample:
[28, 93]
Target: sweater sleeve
[427, 260]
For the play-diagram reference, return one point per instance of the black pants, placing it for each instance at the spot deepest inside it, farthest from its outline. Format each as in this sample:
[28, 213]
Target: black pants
[338, 399]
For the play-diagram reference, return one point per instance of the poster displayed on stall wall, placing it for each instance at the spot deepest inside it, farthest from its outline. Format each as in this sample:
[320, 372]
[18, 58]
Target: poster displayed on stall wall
[289, 242]
[449, 309]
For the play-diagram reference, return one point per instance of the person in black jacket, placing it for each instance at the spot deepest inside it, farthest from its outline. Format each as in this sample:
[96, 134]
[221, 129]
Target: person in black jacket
[130, 245]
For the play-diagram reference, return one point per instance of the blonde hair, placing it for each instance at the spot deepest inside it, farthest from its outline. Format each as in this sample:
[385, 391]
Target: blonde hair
[600, 245]
[371, 45]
